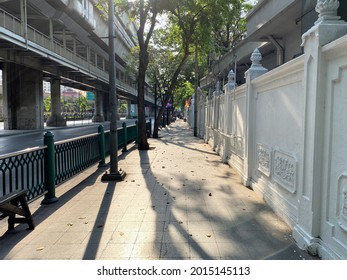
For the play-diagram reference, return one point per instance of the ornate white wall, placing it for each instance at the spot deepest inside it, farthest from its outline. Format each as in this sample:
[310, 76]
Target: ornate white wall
[285, 133]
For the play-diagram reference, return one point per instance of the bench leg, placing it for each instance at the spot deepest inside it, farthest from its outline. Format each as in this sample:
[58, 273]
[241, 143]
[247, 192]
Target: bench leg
[11, 221]
[26, 209]
[13, 208]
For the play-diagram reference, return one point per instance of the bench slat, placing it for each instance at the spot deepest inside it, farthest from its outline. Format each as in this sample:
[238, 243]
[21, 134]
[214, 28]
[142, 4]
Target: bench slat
[10, 196]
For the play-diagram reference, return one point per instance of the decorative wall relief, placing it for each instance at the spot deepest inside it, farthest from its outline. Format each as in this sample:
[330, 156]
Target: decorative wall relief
[264, 159]
[342, 202]
[285, 170]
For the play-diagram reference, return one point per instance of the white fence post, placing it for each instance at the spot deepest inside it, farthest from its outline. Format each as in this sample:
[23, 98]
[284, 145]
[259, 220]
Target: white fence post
[255, 71]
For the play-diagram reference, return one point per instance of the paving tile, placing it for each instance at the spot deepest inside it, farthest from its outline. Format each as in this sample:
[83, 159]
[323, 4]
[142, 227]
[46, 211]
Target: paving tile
[117, 250]
[204, 250]
[91, 251]
[60, 251]
[149, 237]
[31, 252]
[128, 226]
[123, 237]
[175, 251]
[146, 250]
[233, 251]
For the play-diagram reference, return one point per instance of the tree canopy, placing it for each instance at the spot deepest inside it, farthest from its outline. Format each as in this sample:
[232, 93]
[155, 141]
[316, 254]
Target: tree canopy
[180, 50]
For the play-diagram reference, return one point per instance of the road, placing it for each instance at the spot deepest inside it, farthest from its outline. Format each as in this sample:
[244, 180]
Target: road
[14, 142]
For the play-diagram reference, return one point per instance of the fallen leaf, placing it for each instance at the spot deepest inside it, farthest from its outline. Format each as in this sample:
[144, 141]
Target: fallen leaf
[40, 248]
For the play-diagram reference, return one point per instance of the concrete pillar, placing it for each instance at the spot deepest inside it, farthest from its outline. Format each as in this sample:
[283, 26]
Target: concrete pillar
[327, 28]
[23, 97]
[99, 112]
[56, 119]
[128, 109]
[255, 71]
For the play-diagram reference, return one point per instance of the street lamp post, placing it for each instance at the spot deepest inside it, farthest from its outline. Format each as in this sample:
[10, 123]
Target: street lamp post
[114, 174]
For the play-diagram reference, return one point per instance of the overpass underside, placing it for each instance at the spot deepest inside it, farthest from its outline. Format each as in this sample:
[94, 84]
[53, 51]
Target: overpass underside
[37, 47]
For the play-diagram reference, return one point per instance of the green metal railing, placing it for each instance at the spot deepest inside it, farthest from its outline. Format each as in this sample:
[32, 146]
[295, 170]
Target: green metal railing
[74, 155]
[40, 170]
[23, 170]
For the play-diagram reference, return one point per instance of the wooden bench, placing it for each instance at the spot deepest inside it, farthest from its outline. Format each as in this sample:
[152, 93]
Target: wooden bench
[14, 204]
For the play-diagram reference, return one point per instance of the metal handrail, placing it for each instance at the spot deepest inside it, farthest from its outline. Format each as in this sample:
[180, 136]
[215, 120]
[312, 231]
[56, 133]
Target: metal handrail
[25, 151]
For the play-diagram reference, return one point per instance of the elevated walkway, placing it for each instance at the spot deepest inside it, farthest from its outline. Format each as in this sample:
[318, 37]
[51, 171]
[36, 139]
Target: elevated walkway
[178, 201]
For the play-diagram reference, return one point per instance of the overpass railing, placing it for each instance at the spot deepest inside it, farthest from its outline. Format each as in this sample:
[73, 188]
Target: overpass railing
[42, 168]
[41, 41]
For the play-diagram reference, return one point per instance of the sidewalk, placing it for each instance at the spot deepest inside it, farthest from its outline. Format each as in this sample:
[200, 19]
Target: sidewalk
[178, 201]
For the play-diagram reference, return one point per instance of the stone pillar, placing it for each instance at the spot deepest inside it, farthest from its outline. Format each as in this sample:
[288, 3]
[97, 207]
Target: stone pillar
[128, 109]
[99, 104]
[23, 97]
[327, 28]
[255, 71]
[56, 119]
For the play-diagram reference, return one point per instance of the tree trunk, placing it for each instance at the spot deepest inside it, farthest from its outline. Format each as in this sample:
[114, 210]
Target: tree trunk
[141, 116]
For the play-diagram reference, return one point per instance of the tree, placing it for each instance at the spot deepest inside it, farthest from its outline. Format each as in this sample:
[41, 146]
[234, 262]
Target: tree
[82, 104]
[180, 36]
[47, 104]
[229, 26]
[145, 15]
[189, 31]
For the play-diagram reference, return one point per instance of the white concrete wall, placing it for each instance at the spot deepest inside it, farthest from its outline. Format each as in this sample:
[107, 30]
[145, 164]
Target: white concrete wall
[284, 132]
[279, 137]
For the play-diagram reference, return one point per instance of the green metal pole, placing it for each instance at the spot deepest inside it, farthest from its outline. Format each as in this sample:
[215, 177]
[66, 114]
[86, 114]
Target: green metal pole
[101, 132]
[124, 125]
[114, 174]
[48, 141]
[137, 133]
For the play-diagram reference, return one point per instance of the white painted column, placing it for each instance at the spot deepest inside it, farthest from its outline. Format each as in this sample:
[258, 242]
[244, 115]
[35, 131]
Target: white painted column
[255, 71]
